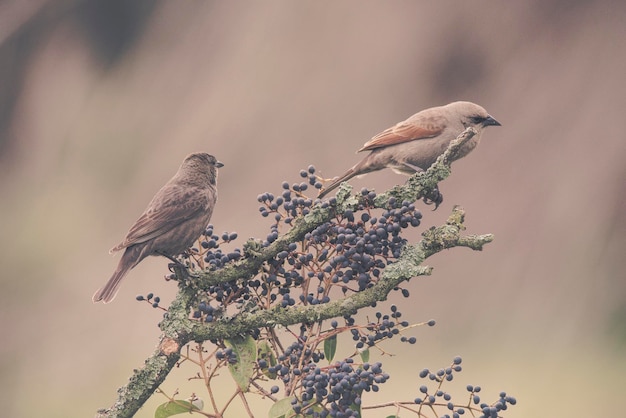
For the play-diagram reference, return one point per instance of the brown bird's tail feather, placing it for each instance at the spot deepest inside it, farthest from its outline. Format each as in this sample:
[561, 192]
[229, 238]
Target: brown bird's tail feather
[131, 257]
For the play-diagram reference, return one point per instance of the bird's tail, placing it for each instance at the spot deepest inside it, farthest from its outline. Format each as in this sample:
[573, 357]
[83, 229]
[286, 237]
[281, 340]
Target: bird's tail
[347, 176]
[370, 163]
[131, 257]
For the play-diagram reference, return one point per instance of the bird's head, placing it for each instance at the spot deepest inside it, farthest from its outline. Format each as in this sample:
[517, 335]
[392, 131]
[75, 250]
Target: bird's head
[472, 115]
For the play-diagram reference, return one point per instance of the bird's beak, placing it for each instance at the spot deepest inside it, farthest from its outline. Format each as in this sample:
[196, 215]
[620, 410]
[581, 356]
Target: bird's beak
[220, 164]
[491, 122]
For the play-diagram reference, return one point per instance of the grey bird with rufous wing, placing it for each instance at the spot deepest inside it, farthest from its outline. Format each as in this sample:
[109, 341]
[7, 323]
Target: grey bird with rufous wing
[413, 145]
[175, 217]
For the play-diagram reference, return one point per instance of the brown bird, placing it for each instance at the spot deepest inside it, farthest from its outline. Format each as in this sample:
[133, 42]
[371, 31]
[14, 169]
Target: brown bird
[414, 144]
[176, 216]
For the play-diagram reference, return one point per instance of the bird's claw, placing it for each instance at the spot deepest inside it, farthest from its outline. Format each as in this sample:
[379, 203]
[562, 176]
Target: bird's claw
[179, 269]
[434, 197]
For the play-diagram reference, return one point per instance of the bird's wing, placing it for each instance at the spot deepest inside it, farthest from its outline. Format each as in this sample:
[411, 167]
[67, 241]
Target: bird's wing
[408, 130]
[171, 206]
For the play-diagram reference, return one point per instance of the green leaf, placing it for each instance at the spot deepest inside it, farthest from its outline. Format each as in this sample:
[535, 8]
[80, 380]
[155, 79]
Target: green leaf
[365, 355]
[245, 350]
[330, 347]
[281, 408]
[174, 408]
[265, 352]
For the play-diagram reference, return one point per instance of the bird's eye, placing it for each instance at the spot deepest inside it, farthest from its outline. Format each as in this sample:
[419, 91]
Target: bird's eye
[477, 119]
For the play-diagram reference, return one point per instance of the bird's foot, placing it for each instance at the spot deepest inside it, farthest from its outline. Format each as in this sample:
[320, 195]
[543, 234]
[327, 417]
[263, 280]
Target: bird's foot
[434, 197]
[179, 269]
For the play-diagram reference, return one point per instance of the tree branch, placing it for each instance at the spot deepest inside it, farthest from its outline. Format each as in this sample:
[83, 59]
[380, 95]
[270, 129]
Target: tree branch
[178, 329]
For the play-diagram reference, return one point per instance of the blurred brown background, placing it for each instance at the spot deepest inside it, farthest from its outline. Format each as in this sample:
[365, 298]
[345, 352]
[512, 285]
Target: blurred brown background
[101, 100]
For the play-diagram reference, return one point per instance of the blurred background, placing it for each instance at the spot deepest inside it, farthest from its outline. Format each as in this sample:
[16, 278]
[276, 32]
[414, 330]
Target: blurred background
[101, 100]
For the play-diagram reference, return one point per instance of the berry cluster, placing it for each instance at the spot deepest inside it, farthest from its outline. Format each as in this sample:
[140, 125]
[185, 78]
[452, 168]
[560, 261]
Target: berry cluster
[490, 410]
[151, 299]
[346, 254]
[208, 254]
[290, 204]
[206, 312]
[227, 355]
[385, 327]
[439, 398]
[296, 358]
[220, 298]
[213, 257]
[337, 388]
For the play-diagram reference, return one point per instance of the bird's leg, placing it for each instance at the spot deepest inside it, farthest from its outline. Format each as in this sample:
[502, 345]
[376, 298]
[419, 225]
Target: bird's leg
[412, 167]
[173, 259]
[176, 266]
